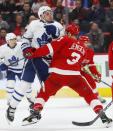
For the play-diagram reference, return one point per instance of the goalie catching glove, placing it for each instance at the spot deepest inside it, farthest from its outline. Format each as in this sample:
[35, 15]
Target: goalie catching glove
[29, 53]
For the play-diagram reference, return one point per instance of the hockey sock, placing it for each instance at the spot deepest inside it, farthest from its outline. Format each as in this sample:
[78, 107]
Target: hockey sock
[29, 95]
[10, 89]
[96, 105]
[19, 93]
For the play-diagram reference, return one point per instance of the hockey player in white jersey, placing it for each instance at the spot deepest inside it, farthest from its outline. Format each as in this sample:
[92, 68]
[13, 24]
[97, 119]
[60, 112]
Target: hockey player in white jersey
[39, 33]
[11, 57]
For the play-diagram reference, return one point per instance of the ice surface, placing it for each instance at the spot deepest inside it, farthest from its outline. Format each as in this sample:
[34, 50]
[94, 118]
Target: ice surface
[56, 116]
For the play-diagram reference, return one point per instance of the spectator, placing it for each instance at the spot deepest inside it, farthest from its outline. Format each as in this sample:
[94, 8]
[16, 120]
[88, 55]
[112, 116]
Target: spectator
[26, 12]
[79, 12]
[15, 27]
[104, 3]
[22, 31]
[63, 21]
[19, 6]
[3, 24]
[108, 27]
[96, 13]
[86, 3]
[109, 12]
[36, 5]
[7, 6]
[3, 33]
[51, 3]
[96, 37]
[59, 11]
[7, 10]
[70, 4]
[0, 1]
[31, 18]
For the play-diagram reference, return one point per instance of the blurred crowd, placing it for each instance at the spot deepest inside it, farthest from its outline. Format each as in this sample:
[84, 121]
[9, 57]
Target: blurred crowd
[94, 17]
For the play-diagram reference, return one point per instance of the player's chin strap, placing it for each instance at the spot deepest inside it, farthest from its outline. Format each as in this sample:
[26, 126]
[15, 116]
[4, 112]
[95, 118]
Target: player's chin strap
[41, 83]
[96, 78]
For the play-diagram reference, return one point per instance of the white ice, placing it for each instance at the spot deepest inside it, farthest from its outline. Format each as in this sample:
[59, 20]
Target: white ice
[57, 115]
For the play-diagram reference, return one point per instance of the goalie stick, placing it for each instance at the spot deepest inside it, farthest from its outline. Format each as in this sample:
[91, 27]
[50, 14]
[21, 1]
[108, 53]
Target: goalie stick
[93, 121]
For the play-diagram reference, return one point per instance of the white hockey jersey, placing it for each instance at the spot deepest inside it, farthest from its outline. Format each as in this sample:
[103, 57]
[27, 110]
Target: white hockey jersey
[14, 55]
[37, 33]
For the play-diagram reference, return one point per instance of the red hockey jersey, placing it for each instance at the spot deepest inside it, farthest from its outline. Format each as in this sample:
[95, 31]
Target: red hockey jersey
[68, 55]
[89, 61]
[110, 58]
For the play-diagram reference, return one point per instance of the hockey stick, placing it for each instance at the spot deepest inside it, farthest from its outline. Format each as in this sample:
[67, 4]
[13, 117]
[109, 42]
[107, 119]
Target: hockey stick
[15, 62]
[106, 83]
[41, 83]
[96, 78]
[91, 122]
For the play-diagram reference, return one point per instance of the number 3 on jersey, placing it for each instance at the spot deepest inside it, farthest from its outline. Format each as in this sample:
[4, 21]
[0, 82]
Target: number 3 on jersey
[74, 60]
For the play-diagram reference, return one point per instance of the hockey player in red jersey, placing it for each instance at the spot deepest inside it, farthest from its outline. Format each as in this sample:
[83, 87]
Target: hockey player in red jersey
[92, 67]
[110, 60]
[68, 54]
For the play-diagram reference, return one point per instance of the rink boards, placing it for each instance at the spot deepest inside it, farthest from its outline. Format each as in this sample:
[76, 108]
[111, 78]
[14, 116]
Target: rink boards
[66, 92]
[101, 62]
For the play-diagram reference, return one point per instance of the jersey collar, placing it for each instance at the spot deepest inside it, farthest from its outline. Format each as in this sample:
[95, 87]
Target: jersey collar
[13, 47]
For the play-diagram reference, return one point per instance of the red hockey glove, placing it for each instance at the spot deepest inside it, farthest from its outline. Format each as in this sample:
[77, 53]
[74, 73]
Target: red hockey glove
[29, 53]
[97, 77]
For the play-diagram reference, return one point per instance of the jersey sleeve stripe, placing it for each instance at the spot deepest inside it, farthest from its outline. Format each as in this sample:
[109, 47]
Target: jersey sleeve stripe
[92, 64]
[50, 48]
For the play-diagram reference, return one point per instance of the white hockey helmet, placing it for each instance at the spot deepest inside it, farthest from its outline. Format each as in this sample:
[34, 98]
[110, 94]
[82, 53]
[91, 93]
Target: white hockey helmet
[42, 9]
[10, 36]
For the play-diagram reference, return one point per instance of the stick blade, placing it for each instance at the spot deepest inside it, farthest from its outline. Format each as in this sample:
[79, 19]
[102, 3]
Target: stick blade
[82, 123]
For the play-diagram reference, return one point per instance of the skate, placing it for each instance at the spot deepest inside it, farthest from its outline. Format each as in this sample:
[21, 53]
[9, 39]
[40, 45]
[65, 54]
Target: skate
[10, 114]
[101, 99]
[34, 117]
[31, 106]
[105, 120]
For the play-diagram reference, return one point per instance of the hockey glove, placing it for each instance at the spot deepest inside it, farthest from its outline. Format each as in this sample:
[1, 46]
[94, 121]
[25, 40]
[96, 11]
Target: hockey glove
[29, 53]
[97, 77]
[3, 67]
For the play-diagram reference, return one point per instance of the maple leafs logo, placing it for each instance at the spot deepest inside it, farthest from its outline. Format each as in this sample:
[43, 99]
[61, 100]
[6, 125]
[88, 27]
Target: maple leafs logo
[44, 39]
[13, 60]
